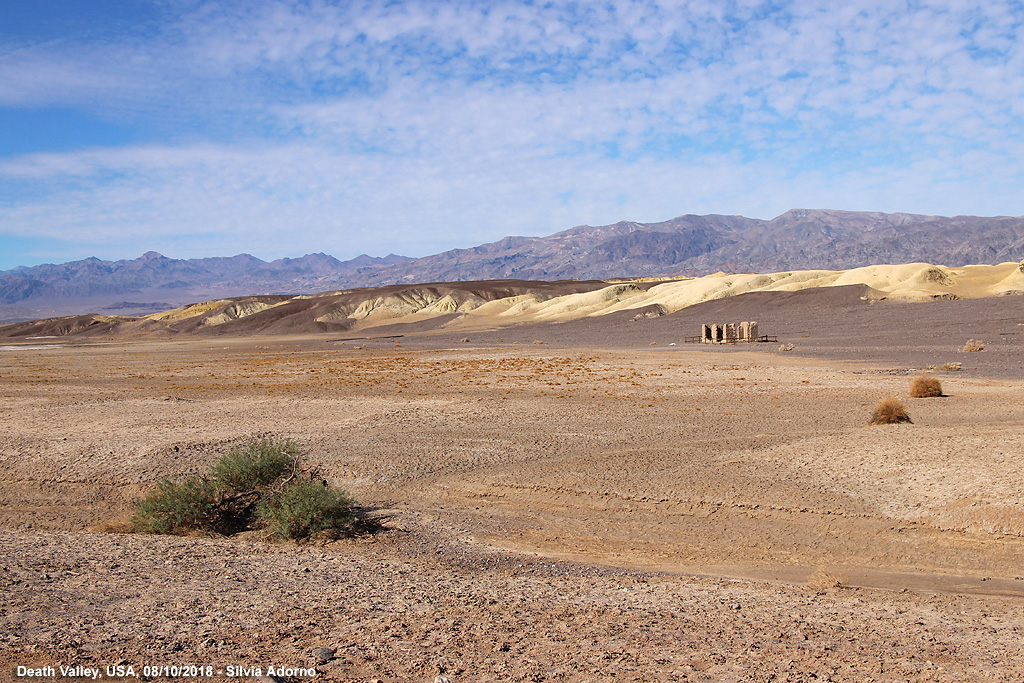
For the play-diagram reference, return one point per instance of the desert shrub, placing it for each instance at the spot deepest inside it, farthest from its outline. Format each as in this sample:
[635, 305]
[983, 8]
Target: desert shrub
[823, 580]
[258, 486]
[925, 386]
[947, 367]
[256, 465]
[786, 347]
[889, 411]
[974, 345]
[303, 509]
[175, 507]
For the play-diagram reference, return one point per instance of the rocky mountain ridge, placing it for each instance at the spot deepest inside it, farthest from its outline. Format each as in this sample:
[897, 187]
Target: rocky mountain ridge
[686, 245]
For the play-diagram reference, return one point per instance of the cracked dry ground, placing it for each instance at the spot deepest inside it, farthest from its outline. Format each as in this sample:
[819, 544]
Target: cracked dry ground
[558, 514]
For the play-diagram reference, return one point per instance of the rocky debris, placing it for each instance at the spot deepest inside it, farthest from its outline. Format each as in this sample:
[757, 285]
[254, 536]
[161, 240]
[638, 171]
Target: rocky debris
[100, 598]
[649, 313]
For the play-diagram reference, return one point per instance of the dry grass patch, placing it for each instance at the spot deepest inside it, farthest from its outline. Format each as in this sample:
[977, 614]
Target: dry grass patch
[121, 525]
[925, 386]
[973, 345]
[946, 367]
[822, 580]
[888, 412]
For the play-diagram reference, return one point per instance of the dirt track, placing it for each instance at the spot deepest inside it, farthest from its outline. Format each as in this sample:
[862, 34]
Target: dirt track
[552, 513]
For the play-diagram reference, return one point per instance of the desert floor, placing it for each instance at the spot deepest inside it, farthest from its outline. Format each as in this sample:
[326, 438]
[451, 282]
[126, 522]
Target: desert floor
[559, 511]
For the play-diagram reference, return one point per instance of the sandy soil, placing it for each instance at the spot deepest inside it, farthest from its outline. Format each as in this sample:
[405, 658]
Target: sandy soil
[563, 511]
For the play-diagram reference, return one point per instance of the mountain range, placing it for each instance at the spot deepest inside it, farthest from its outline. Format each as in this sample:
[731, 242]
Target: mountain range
[687, 245]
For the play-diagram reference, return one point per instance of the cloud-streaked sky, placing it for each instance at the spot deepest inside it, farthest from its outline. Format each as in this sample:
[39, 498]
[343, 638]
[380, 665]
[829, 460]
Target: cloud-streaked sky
[283, 127]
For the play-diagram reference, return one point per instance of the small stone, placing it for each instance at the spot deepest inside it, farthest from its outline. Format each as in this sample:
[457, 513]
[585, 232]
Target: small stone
[442, 679]
[323, 654]
[734, 605]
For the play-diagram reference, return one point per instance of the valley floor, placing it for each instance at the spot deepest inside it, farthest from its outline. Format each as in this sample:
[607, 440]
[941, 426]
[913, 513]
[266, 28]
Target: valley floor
[550, 512]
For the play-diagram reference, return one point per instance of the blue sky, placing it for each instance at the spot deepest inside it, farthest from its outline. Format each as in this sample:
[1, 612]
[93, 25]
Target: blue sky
[280, 127]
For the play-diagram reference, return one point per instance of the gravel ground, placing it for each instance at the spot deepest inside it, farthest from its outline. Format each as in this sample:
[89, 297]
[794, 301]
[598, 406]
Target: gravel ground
[549, 512]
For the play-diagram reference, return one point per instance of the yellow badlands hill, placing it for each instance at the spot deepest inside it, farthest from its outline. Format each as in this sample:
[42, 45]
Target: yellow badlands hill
[911, 282]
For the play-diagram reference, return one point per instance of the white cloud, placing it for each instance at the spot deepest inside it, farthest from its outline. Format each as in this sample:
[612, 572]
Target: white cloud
[419, 126]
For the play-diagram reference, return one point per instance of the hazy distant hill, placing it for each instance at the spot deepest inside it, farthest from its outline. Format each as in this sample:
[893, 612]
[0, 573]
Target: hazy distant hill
[155, 271]
[687, 245]
[93, 284]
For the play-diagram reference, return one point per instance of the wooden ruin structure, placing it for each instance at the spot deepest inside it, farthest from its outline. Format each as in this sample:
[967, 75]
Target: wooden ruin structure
[730, 333]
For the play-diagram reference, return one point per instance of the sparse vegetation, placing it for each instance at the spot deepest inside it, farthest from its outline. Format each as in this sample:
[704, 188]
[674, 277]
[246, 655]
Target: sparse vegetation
[925, 386]
[175, 507]
[946, 367]
[889, 411]
[973, 345]
[257, 486]
[257, 465]
[786, 347]
[822, 580]
[304, 509]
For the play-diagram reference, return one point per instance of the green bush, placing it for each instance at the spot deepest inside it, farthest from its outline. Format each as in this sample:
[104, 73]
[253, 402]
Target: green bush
[303, 509]
[257, 465]
[175, 507]
[257, 486]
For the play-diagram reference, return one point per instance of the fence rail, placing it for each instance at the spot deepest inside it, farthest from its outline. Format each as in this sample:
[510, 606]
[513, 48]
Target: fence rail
[732, 340]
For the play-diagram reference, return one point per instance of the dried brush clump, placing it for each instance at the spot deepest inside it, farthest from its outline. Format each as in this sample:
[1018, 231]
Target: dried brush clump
[822, 580]
[889, 411]
[955, 366]
[925, 386]
[973, 345]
